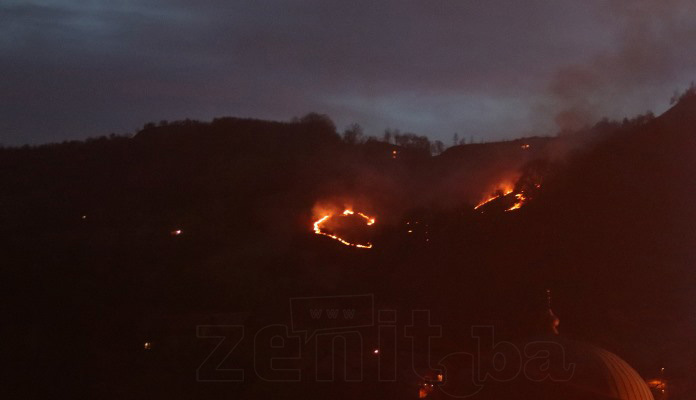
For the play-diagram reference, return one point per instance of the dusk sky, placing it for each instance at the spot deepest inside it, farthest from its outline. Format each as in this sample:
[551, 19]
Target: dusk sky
[493, 70]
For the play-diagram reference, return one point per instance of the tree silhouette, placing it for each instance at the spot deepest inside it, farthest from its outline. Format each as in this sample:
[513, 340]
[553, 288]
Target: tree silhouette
[353, 134]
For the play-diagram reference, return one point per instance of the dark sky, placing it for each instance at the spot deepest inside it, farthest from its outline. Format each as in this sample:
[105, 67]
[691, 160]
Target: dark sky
[490, 69]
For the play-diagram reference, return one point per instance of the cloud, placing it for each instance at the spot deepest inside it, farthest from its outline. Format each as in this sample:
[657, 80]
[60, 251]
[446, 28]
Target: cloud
[75, 69]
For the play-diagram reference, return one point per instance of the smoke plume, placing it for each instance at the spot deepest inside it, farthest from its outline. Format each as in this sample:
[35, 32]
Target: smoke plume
[655, 43]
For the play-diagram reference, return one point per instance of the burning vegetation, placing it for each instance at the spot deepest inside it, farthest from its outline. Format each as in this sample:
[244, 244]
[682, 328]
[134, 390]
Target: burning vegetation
[518, 199]
[501, 192]
[338, 221]
[508, 199]
[348, 226]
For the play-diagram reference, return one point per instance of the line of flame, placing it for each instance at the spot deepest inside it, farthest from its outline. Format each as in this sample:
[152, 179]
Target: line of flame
[488, 200]
[318, 231]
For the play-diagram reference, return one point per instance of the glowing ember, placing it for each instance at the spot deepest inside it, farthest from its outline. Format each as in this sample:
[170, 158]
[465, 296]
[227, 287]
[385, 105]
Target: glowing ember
[658, 387]
[424, 390]
[176, 232]
[318, 224]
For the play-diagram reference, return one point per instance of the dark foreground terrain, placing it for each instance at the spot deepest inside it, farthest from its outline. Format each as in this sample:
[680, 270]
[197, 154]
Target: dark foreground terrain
[114, 245]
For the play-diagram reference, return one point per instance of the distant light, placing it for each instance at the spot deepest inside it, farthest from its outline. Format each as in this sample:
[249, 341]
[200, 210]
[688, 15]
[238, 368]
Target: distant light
[525, 146]
[147, 346]
[84, 217]
[176, 232]
[439, 377]
[375, 351]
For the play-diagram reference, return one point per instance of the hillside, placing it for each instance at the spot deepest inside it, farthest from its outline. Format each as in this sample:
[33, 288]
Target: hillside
[106, 242]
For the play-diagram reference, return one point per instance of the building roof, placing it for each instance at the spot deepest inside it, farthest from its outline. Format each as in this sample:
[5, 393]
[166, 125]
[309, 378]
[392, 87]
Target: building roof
[603, 373]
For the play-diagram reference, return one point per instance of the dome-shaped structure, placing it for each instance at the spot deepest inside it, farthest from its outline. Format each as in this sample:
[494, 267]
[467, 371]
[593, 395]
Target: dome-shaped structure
[603, 373]
[552, 369]
[595, 373]
[546, 367]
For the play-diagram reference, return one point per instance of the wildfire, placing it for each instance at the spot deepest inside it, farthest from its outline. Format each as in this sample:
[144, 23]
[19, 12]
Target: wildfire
[370, 221]
[515, 197]
[518, 204]
[500, 194]
[318, 225]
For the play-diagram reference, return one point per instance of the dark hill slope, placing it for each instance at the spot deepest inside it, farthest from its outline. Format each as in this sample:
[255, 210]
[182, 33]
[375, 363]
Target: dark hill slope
[615, 230]
[611, 232]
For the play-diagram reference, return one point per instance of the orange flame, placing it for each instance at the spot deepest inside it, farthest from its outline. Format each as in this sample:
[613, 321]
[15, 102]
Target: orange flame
[518, 204]
[318, 223]
[505, 190]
